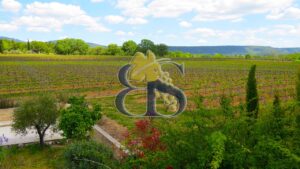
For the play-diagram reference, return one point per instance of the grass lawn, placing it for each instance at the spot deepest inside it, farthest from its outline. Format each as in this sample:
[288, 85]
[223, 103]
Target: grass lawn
[32, 157]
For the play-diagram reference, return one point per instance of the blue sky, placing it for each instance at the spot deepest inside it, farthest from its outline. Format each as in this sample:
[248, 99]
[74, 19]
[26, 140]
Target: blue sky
[173, 22]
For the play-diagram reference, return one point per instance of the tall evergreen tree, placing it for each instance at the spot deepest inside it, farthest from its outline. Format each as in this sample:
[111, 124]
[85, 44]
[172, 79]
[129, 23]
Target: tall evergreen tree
[28, 45]
[252, 104]
[277, 118]
[1, 46]
[298, 86]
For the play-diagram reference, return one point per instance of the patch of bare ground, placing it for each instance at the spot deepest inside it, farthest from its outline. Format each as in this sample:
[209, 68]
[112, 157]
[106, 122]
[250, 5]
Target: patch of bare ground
[6, 114]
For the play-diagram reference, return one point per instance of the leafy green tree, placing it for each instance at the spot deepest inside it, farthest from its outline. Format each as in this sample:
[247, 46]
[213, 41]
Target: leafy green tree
[252, 104]
[145, 45]
[161, 49]
[96, 50]
[71, 46]
[113, 49]
[129, 47]
[39, 47]
[78, 119]
[40, 113]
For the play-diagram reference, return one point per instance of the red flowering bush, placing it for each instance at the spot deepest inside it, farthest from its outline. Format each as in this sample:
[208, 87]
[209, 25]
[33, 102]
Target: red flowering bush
[144, 147]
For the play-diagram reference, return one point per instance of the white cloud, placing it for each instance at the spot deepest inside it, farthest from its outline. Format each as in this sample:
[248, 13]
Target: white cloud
[122, 33]
[8, 27]
[205, 10]
[11, 5]
[133, 8]
[266, 36]
[114, 19]
[96, 1]
[39, 24]
[185, 24]
[287, 13]
[52, 16]
[136, 21]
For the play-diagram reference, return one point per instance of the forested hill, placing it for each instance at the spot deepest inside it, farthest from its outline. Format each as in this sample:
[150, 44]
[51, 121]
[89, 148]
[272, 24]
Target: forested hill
[234, 50]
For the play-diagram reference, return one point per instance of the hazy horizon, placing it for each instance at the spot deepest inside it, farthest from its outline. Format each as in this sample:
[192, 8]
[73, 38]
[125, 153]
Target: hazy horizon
[175, 23]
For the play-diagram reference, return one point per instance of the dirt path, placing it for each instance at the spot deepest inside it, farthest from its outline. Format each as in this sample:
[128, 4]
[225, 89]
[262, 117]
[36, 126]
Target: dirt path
[6, 114]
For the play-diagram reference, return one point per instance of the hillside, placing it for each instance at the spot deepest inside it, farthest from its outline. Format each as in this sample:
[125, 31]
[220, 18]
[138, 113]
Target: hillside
[234, 50]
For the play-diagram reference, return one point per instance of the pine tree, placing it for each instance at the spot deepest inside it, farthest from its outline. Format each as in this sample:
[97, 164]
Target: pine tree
[251, 94]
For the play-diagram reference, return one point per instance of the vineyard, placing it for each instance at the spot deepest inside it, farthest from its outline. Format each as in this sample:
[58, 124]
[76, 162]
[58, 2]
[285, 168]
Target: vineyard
[23, 74]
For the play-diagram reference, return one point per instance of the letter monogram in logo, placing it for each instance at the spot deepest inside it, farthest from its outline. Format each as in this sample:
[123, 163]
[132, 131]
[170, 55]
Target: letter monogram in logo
[147, 69]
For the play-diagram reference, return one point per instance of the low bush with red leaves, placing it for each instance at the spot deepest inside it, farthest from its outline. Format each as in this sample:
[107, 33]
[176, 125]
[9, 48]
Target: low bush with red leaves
[144, 147]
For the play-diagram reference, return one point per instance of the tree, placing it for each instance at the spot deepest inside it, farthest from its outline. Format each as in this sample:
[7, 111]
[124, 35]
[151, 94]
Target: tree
[252, 104]
[161, 49]
[277, 123]
[39, 47]
[78, 119]
[71, 46]
[113, 49]
[129, 47]
[146, 45]
[40, 113]
[96, 50]
[28, 45]
[1, 46]
[298, 86]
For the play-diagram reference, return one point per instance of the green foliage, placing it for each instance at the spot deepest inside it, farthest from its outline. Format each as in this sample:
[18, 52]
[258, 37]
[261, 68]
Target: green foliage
[252, 94]
[129, 47]
[298, 86]
[225, 103]
[71, 46]
[146, 45]
[179, 54]
[39, 47]
[40, 113]
[161, 49]
[11, 46]
[77, 120]
[96, 50]
[89, 155]
[247, 56]
[217, 144]
[113, 49]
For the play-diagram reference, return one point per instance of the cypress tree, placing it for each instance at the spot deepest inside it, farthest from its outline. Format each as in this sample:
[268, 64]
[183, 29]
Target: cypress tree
[28, 45]
[251, 94]
[298, 86]
[277, 119]
[1, 46]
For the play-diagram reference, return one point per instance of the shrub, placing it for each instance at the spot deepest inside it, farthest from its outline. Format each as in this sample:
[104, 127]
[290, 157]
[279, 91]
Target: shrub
[89, 155]
[77, 120]
[145, 147]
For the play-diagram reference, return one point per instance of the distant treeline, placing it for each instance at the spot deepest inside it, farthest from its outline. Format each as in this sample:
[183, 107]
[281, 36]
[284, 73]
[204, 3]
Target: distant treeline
[71, 46]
